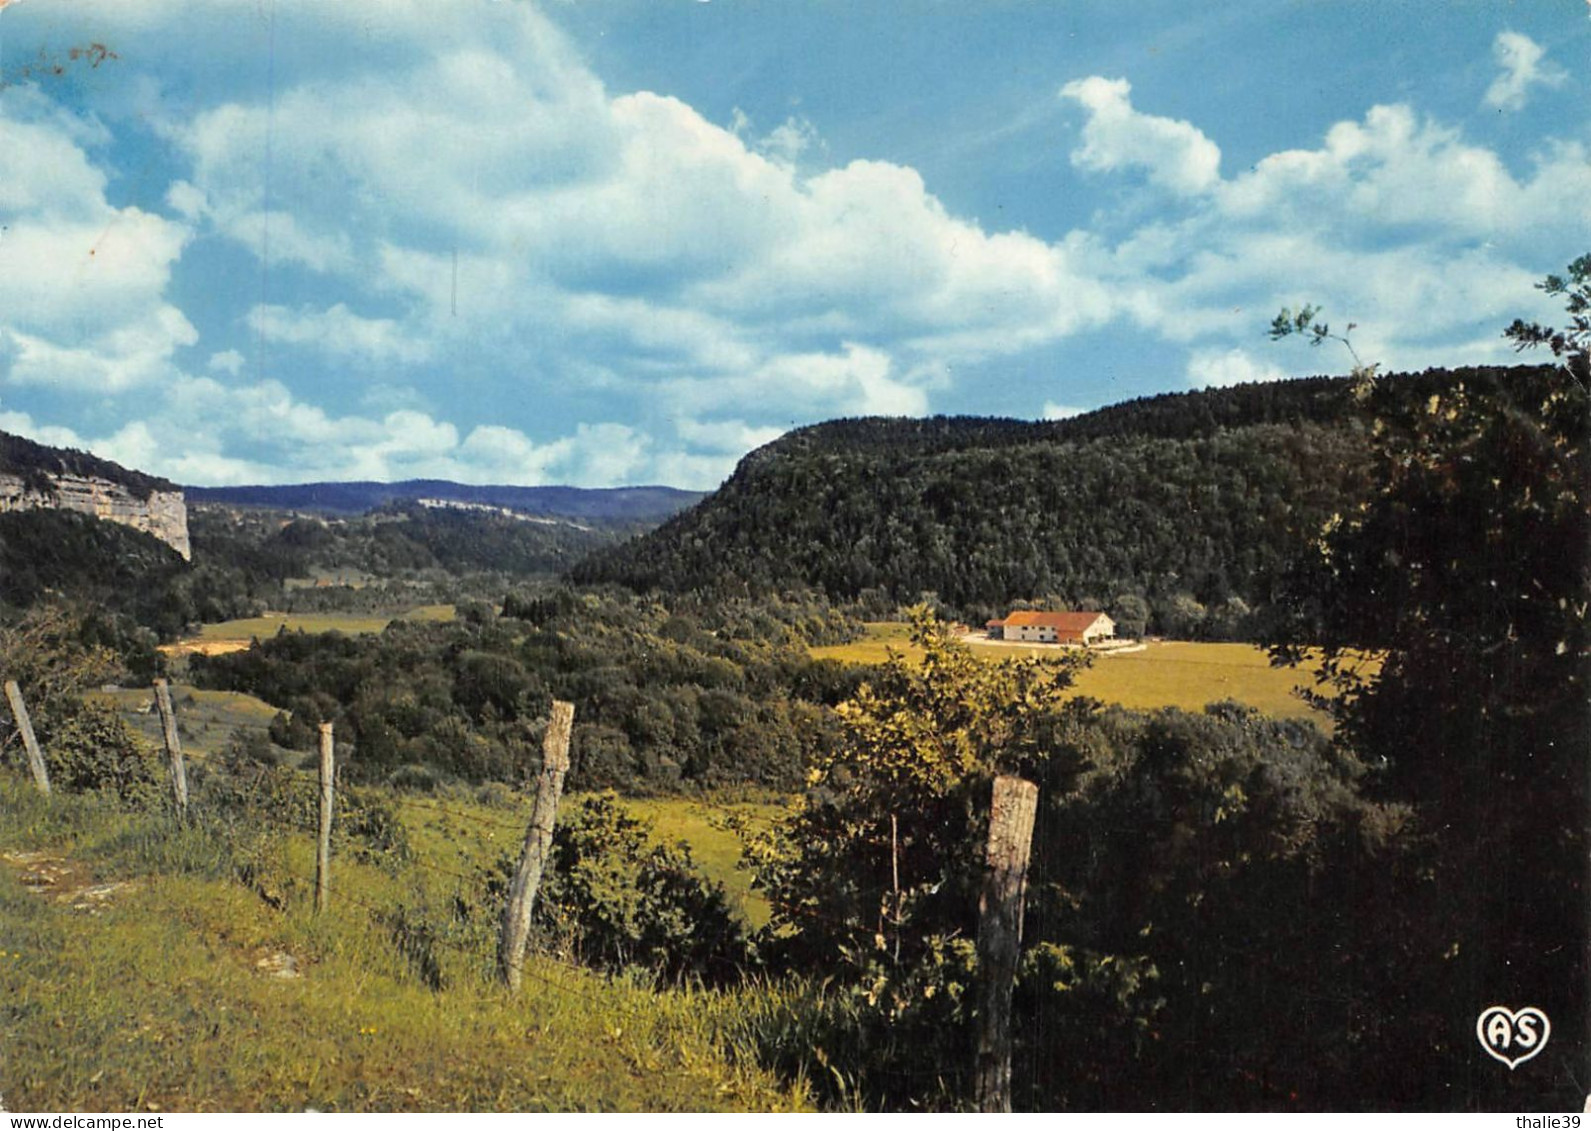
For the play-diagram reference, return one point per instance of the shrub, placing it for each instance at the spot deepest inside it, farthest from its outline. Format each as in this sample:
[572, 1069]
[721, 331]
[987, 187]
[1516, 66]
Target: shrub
[617, 900]
[624, 900]
[87, 746]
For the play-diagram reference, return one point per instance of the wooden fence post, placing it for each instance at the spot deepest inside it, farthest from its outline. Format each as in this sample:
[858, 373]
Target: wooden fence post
[327, 798]
[538, 838]
[19, 712]
[1011, 811]
[168, 727]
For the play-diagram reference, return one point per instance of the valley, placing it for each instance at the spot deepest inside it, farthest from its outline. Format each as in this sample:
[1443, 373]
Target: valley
[765, 868]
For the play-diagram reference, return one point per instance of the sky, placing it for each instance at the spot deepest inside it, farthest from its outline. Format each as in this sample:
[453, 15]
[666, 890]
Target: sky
[608, 242]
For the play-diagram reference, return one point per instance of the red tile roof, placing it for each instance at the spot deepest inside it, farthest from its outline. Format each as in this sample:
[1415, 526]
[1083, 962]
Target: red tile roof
[1061, 622]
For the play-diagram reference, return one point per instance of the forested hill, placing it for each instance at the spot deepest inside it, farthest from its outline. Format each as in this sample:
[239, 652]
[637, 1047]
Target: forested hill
[1319, 400]
[615, 504]
[1177, 508]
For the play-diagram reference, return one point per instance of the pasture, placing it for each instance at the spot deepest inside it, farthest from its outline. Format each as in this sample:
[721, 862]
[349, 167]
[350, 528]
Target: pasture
[466, 828]
[269, 624]
[1166, 673]
[459, 833]
[206, 720]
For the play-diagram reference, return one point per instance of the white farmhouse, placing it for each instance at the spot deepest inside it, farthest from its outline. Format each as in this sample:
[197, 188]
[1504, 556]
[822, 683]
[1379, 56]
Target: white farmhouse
[1053, 628]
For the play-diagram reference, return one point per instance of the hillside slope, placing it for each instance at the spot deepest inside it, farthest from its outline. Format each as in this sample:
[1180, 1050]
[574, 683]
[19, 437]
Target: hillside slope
[1178, 500]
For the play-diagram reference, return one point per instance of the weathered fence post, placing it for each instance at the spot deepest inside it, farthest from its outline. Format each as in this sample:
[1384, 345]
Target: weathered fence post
[538, 838]
[323, 845]
[168, 727]
[1011, 812]
[19, 712]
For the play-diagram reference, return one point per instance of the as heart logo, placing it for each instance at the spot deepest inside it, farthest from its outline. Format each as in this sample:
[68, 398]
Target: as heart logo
[1512, 1036]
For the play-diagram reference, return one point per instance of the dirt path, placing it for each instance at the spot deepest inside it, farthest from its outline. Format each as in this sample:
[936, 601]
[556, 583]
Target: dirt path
[63, 880]
[980, 640]
[67, 882]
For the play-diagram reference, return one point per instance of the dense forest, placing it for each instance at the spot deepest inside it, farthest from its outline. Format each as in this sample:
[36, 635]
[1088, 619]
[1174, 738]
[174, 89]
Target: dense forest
[1175, 513]
[398, 539]
[687, 695]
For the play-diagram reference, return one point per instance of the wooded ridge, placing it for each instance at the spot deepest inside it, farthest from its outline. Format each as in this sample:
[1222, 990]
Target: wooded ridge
[1182, 508]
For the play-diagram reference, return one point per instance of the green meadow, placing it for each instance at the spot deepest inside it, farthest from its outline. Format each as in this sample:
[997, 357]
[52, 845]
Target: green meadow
[1166, 673]
[201, 979]
[269, 624]
[161, 967]
[458, 833]
[206, 720]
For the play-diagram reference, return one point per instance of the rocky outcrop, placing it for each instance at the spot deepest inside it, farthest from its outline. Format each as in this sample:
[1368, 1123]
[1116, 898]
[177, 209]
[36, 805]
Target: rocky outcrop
[163, 514]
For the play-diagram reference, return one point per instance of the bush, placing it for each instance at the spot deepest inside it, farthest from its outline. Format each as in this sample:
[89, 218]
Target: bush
[87, 746]
[618, 900]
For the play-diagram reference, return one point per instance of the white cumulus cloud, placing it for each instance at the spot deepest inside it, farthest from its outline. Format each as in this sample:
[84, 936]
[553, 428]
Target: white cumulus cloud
[1053, 411]
[1175, 155]
[1524, 65]
[1229, 367]
[338, 330]
[626, 289]
[82, 281]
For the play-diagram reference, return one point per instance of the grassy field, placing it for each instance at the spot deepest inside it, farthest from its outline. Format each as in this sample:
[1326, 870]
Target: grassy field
[206, 719]
[458, 827]
[1188, 675]
[1165, 674]
[138, 974]
[270, 624]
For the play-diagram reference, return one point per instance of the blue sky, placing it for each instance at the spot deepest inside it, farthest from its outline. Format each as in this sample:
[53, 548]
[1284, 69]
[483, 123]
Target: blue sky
[625, 241]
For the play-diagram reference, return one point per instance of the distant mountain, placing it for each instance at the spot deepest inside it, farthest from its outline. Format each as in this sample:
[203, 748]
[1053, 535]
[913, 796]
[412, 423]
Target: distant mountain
[1181, 509]
[589, 504]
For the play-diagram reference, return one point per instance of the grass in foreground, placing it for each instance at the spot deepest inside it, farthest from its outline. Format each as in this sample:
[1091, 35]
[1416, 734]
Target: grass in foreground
[159, 1002]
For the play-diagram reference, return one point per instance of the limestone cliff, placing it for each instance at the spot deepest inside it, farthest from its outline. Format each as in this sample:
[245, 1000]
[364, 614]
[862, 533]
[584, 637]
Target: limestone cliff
[164, 513]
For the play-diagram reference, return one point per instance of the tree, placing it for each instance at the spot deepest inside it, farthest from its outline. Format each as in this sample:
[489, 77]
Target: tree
[1191, 874]
[1131, 614]
[51, 651]
[621, 899]
[889, 808]
[1466, 575]
[874, 877]
[1573, 344]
